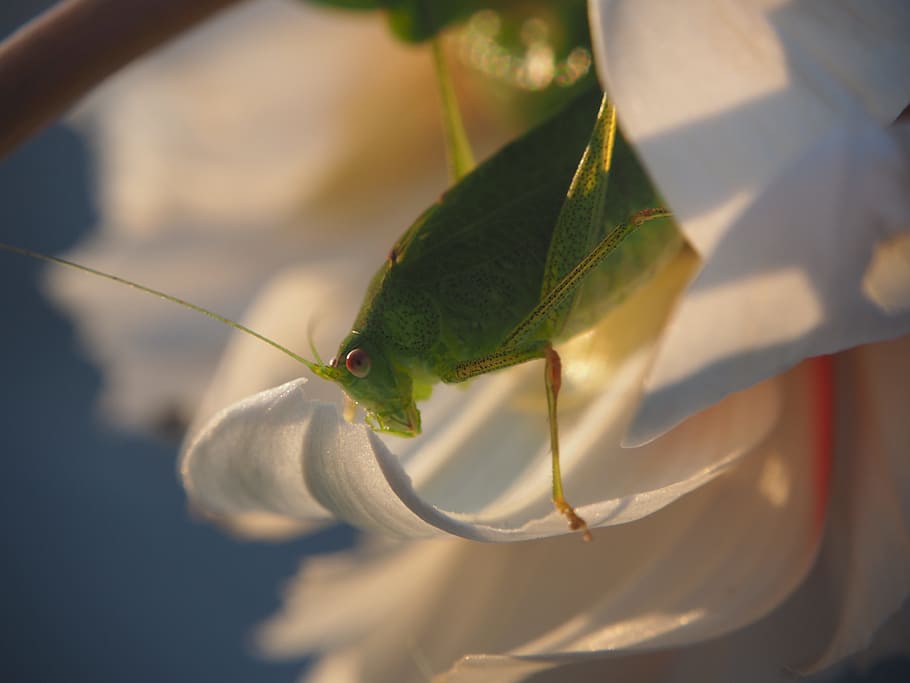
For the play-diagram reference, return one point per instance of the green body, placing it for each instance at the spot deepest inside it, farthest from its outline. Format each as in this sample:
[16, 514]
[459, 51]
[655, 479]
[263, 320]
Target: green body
[476, 264]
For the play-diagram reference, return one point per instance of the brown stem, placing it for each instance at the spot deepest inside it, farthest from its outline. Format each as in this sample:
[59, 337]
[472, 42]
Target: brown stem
[52, 61]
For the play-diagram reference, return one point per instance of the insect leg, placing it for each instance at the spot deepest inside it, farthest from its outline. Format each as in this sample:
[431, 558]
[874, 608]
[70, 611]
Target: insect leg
[505, 358]
[553, 380]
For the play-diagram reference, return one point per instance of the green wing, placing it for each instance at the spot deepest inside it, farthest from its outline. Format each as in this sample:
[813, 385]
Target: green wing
[610, 186]
[479, 253]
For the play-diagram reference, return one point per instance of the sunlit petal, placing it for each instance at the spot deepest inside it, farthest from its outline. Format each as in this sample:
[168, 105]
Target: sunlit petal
[887, 279]
[789, 280]
[774, 158]
[859, 580]
[262, 111]
[718, 117]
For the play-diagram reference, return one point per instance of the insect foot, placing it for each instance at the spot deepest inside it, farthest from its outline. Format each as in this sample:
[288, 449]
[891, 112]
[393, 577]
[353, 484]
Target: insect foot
[576, 523]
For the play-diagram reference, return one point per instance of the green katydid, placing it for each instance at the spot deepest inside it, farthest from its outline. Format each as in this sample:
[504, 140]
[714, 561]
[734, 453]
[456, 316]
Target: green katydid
[506, 264]
[500, 286]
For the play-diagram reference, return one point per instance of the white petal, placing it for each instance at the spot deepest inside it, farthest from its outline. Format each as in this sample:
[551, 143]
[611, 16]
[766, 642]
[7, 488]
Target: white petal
[257, 113]
[789, 280]
[319, 298]
[860, 578]
[726, 659]
[760, 653]
[867, 554]
[887, 280]
[760, 122]
[247, 461]
[713, 561]
[354, 593]
[720, 97]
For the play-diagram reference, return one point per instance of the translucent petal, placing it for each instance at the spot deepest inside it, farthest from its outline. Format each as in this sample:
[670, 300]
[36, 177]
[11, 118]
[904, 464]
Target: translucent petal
[267, 108]
[867, 553]
[354, 593]
[771, 153]
[857, 583]
[720, 97]
[790, 278]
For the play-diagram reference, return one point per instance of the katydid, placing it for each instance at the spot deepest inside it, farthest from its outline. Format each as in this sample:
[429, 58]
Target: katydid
[505, 265]
[492, 275]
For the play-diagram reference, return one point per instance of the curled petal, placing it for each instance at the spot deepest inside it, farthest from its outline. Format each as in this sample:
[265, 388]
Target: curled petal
[262, 470]
[277, 452]
[683, 574]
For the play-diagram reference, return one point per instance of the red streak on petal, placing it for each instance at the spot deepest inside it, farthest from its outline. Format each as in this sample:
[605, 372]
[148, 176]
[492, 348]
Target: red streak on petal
[821, 370]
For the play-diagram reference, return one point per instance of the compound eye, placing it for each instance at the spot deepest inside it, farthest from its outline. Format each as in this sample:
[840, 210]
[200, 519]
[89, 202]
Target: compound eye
[358, 363]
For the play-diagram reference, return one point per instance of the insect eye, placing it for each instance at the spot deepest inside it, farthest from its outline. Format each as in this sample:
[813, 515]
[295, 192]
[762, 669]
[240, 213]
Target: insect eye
[358, 363]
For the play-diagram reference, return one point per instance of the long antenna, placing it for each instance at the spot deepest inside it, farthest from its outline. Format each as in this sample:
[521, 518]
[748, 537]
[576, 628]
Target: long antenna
[167, 297]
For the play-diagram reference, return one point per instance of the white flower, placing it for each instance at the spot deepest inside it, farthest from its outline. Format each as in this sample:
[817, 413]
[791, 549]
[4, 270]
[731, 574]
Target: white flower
[659, 599]
[766, 126]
